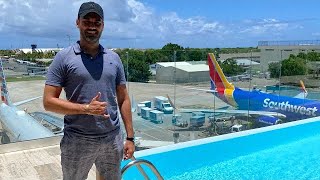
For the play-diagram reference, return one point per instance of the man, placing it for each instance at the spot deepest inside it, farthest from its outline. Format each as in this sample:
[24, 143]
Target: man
[94, 82]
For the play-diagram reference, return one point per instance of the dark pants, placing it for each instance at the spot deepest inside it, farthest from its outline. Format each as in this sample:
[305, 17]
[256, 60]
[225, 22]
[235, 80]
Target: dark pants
[79, 153]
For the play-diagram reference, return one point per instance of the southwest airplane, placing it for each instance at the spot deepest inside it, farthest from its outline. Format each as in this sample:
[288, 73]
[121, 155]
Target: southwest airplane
[267, 108]
[17, 124]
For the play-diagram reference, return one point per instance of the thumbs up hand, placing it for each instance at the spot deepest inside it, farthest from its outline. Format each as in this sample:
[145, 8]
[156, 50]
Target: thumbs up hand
[96, 107]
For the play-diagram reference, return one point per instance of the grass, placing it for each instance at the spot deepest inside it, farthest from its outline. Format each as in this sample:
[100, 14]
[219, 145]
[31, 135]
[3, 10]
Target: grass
[24, 78]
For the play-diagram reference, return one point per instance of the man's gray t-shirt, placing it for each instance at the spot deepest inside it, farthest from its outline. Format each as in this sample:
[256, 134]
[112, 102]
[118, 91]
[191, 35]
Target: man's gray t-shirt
[82, 77]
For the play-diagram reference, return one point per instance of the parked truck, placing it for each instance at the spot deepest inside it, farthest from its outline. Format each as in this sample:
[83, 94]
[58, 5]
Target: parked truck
[197, 119]
[162, 104]
[145, 112]
[156, 116]
[146, 103]
[177, 120]
[139, 107]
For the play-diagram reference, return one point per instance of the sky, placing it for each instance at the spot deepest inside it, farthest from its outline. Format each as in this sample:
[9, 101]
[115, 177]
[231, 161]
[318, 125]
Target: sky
[154, 23]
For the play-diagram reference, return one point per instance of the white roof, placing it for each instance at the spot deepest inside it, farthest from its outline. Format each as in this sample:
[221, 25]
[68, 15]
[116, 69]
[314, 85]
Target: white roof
[29, 50]
[167, 64]
[246, 62]
[44, 60]
[194, 68]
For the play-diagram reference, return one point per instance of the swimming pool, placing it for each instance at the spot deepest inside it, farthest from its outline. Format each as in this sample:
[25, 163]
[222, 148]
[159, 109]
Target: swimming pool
[285, 151]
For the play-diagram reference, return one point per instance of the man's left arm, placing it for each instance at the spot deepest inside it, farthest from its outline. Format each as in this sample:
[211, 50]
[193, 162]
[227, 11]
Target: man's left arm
[125, 110]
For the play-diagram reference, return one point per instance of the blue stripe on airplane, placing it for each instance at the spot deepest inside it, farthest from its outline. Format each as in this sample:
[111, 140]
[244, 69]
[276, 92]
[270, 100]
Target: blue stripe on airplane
[293, 108]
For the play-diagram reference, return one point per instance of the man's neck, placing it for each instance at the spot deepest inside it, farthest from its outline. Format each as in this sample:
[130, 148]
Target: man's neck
[92, 49]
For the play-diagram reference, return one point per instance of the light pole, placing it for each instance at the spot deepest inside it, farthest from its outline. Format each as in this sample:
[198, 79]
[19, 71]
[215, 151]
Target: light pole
[127, 55]
[250, 90]
[174, 82]
[175, 134]
[280, 65]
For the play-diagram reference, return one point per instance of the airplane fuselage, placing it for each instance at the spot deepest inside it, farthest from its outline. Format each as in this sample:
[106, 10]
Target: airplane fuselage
[20, 125]
[261, 103]
[293, 108]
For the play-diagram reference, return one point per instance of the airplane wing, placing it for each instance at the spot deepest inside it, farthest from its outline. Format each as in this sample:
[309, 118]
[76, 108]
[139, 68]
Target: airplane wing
[205, 90]
[26, 101]
[234, 111]
[53, 120]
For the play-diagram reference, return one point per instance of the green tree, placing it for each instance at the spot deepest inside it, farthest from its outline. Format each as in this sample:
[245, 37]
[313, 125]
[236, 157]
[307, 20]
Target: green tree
[313, 56]
[293, 66]
[152, 56]
[274, 69]
[230, 67]
[194, 54]
[134, 62]
[168, 51]
[302, 55]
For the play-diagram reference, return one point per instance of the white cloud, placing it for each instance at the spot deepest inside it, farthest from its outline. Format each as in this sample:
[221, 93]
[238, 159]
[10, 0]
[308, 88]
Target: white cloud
[52, 17]
[127, 20]
[265, 26]
[172, 24]
[316, 34]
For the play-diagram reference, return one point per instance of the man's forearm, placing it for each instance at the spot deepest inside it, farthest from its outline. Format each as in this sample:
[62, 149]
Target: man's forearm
[62, 106]
[125, 110]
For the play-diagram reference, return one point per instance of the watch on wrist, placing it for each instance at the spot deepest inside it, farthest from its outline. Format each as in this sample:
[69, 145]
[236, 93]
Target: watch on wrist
[130, 139]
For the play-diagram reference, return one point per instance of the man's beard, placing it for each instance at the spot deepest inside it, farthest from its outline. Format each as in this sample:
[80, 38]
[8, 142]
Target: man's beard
[91, 38]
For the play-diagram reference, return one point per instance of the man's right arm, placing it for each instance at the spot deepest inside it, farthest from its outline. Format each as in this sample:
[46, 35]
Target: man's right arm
[52, 102]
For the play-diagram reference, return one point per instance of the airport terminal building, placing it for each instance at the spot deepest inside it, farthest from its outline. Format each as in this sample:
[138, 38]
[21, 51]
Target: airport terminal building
[275, 51]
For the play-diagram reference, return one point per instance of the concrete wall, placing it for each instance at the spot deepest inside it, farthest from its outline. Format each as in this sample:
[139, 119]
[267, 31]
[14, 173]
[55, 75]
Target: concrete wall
[166, 76]
[255, 56]
[276, 53]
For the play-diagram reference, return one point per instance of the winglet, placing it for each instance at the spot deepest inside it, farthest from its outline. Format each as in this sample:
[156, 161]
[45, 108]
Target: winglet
[4, 89]
[303, 94]
[303, 87]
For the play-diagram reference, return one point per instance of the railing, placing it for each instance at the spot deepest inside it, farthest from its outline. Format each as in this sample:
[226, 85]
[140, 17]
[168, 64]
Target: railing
[137, 162]
[290, 43]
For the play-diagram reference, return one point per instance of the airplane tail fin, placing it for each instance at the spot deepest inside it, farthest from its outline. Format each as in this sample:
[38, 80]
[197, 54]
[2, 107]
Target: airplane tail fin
[4, 89]
[219, 82]
[218, 79]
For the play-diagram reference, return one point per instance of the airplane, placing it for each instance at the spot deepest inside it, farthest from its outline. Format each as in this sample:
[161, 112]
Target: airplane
[267, 108]
[18, 125]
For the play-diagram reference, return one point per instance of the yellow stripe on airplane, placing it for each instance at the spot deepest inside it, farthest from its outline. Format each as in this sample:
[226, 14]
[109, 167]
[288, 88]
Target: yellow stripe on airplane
[228, 93]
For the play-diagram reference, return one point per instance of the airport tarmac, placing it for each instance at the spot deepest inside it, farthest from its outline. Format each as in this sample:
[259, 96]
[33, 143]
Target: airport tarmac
[44, 163]
[181, 95]
[145, 129]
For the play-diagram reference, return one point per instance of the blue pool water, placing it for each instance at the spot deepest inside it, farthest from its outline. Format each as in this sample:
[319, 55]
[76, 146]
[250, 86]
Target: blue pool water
[297, 160]
[287, 151]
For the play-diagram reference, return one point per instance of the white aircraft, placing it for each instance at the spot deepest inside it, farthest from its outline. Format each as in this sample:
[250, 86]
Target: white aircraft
[267, 108]
[18, 125]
